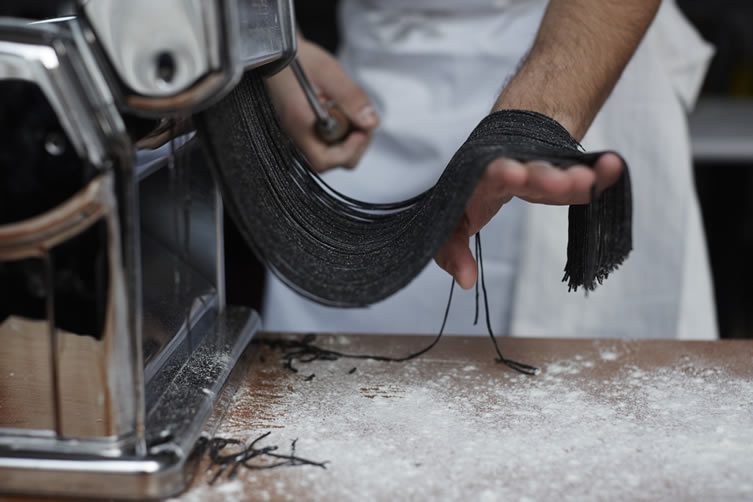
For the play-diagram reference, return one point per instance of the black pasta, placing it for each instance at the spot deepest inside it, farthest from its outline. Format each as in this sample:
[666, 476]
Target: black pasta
[342, 252]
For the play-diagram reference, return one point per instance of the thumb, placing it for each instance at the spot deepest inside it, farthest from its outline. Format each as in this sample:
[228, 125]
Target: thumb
[351, 99]
[455, 257]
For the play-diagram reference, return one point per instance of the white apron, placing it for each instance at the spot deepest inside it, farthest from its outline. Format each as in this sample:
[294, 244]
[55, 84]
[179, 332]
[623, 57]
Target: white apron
[433, 69]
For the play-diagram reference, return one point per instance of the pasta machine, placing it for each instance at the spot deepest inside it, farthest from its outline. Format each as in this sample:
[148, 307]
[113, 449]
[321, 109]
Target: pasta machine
[115, 339]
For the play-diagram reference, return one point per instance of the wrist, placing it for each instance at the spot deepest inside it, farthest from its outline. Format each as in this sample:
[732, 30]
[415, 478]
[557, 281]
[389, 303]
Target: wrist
[520, 95]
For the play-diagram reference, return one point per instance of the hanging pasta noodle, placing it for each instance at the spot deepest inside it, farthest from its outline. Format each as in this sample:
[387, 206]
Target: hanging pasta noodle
[342, 252]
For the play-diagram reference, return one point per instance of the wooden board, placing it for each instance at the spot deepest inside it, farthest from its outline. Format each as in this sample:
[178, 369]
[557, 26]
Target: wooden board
[648, 420]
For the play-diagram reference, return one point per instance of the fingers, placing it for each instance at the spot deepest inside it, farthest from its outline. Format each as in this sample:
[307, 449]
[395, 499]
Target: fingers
[349, 96]
[455, 257]
[356, 104]
[574, 185]
[608, 170]
[542, 182]
[346, 154]
[298, 119]
[506, 175]
[334, 84]
[551, 185]
[501, 181]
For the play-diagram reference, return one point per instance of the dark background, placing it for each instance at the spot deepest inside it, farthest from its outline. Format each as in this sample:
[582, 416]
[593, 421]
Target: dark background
[725, 189]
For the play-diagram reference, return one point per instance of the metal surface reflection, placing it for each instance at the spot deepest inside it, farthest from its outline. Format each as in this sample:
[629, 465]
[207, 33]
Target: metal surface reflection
[116, 338]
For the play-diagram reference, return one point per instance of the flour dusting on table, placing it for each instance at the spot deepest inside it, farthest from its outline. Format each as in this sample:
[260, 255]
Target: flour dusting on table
[684, 432]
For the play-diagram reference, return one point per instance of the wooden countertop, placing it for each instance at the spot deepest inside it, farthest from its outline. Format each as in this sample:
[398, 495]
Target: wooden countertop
[604, 419]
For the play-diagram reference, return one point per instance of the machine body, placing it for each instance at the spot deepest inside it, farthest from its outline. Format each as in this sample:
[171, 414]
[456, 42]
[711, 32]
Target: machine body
[115, 333]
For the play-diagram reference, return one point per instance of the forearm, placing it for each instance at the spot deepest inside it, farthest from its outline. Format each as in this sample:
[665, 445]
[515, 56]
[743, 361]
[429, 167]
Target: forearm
[577, 57]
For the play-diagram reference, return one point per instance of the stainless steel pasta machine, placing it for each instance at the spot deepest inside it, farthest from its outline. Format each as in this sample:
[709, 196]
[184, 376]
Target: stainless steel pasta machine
[115, 339]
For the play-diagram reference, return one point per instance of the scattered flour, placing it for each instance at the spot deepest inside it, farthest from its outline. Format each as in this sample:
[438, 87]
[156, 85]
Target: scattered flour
[609, 355]
[677, 433]
[230, 491]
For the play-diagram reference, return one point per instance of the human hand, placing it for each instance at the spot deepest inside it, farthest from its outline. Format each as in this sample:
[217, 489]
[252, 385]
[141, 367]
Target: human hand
[536, 181]
[298, 119]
